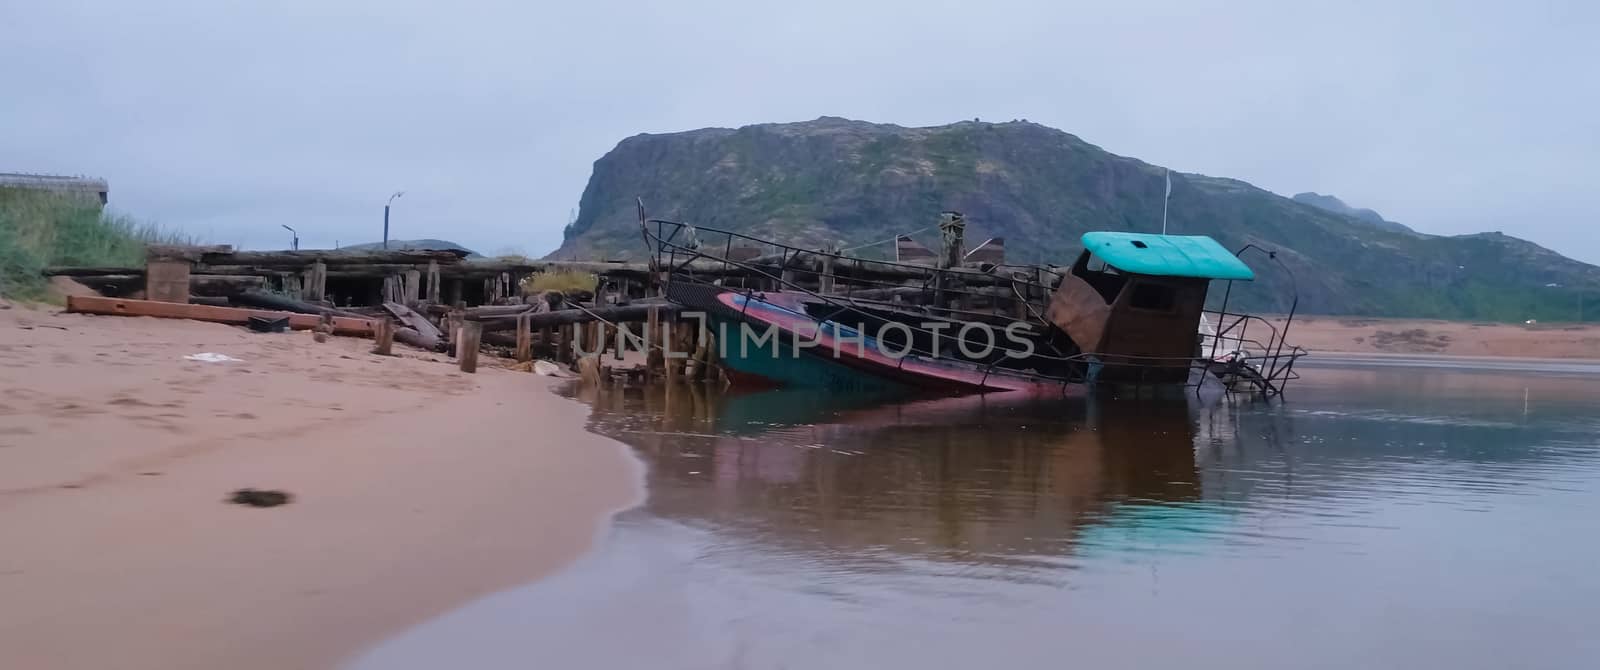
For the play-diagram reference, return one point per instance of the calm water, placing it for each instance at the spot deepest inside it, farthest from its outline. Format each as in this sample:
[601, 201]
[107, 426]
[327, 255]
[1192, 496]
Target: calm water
[1385, 518]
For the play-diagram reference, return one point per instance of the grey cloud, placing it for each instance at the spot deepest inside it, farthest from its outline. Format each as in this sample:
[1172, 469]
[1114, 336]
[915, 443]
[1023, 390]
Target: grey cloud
[227, 119]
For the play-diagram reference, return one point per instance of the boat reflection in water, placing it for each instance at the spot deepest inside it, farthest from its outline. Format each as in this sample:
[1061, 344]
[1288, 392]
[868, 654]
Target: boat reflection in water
[981, 479]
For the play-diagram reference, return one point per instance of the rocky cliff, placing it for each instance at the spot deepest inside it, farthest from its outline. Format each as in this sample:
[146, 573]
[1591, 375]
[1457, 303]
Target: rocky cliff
[849, 182]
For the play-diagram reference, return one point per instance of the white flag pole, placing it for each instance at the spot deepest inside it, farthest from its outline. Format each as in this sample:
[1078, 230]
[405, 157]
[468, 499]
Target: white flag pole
[1164, 200]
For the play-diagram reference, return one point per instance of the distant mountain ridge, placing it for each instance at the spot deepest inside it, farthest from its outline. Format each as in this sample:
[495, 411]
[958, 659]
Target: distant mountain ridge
[1337, 206]
[835, 180]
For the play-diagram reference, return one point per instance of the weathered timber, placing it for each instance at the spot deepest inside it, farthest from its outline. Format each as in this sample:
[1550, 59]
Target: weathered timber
[167, 280]
[422, 333]
[384, 337]
[540, 304]
[669, 353]
[524, 339]
[121, 285]
[264, 300]
[652, 329]
[562, 317]
[222, 285]
[433, 282]
[316, 281]
[184, 252]
[563, 344]
[331, 257]
[233, 315]
[471, 337]
[413, 292]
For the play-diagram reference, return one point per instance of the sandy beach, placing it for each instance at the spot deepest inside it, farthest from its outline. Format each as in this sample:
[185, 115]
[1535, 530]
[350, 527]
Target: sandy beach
[416, 489]
[1361, 335]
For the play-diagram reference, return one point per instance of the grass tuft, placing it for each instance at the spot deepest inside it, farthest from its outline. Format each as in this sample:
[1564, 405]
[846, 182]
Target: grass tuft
[40, 229]
[559, 280]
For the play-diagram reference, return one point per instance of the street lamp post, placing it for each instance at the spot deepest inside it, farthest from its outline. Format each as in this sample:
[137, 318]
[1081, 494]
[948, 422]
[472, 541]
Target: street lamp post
[294, 237]
[386, 217]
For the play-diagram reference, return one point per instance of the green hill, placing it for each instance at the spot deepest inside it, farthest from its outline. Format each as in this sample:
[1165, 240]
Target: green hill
[836, 180]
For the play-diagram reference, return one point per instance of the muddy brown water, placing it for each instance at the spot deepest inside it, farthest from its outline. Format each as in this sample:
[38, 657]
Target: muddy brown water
[1375, 518]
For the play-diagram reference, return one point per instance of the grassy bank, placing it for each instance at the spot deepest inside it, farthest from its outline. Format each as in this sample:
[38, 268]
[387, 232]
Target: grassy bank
[39, 228]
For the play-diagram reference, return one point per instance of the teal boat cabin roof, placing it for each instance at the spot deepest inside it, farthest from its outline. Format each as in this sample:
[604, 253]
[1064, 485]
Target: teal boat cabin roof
[1167, 255]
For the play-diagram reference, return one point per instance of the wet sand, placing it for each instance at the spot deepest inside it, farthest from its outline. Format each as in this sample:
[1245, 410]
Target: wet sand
[417, 489]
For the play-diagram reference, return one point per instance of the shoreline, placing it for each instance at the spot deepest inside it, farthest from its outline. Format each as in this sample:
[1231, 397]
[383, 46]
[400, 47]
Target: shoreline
[417, 489]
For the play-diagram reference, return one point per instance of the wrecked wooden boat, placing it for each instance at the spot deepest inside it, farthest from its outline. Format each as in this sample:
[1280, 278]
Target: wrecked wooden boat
[1129, 315]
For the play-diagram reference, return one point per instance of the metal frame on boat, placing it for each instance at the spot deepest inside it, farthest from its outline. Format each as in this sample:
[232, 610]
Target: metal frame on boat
[847, 322]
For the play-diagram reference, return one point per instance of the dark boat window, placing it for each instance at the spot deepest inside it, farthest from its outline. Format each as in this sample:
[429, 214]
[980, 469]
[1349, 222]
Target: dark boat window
[1104, 278]
[1153, 297]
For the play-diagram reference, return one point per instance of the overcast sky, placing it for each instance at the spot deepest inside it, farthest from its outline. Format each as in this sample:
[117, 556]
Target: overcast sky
[226, 119]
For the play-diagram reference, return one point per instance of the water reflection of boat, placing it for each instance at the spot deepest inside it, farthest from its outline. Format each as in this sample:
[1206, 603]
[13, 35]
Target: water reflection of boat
[988, 478]
[1127, 314]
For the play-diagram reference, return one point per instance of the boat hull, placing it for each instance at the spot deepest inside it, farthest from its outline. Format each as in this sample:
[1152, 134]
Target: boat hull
[768, 338]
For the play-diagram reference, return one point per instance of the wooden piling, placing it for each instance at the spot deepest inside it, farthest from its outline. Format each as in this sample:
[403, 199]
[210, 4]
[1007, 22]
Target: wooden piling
[668, 362]
[383, 337]
[524, 339]
[453, 323]
[653, 361]
[316, 282]
[701, 353]
[563, 345]
[467, 352]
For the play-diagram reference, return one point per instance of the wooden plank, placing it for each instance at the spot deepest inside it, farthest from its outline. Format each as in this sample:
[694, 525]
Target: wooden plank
[471, 336]
[232, 315]
[167, 281]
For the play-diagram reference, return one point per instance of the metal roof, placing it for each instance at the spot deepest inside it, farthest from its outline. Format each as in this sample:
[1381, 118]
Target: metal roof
[1167, 255]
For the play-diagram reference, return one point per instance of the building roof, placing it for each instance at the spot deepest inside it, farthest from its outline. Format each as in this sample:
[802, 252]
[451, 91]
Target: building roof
[1167, 255]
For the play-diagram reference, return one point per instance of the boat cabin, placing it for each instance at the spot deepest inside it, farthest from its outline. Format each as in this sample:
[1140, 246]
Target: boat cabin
[1134, 300]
